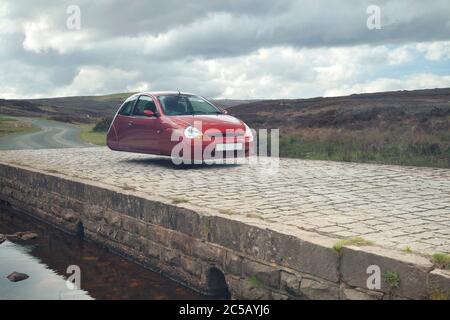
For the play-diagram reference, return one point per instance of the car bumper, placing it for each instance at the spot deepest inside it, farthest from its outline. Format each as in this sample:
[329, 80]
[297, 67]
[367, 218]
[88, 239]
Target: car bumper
[197, 149]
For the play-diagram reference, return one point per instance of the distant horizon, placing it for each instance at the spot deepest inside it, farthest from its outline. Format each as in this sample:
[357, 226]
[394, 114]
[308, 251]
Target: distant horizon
[235, 99]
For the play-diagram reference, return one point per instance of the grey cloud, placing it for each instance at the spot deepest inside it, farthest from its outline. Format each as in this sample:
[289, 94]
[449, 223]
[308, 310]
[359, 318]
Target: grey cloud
[159, 39]
[252, 24]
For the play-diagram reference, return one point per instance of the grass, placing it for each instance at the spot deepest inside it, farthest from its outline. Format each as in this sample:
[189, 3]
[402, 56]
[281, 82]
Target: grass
[437, 294]
[52, 171]
[226, 211]
[255, 281]
[91, 136]
[177, 200]
[206, 228]
[356, 241]
[407, 249]
[127, 187]
[14, 126]
[254, 216]
[392, 278]
[441, 260]
[369, 146]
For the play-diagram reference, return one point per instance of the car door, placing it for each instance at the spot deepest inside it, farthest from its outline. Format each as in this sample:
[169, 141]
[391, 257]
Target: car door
[123, 124]
[145, 130]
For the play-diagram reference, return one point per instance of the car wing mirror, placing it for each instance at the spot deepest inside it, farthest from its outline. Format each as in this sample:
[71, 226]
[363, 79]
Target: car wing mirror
[224, 111]
[149, 113]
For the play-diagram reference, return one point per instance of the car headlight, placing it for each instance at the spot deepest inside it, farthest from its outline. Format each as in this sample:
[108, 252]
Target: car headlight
[248, 133]
[192, 133]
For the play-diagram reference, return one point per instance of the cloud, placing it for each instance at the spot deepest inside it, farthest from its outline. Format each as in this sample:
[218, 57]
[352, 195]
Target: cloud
[435, 50]
[244, 49]
[411, 82]
[97, 79]
[40, 37]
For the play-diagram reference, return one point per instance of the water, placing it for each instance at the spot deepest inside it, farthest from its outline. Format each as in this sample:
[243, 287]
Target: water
[104, 275]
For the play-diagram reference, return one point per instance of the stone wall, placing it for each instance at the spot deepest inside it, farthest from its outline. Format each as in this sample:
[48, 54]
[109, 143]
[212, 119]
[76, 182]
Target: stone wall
[190, 245]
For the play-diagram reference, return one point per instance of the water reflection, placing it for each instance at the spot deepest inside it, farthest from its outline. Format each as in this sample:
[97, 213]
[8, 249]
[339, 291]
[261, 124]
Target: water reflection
[45, 259]
[44, 283]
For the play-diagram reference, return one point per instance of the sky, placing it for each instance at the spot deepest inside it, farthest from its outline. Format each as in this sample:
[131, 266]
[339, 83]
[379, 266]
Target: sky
[246, 49]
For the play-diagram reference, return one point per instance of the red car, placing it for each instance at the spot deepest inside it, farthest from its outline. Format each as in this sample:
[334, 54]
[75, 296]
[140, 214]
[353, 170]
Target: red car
[182, 125]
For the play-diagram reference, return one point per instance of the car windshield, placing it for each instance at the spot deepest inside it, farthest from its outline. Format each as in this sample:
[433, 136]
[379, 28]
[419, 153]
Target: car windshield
[179, 104]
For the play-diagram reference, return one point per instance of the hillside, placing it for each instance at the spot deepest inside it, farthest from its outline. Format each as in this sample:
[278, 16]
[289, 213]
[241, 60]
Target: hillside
[404, 127]
[82, 109]
[61, 109]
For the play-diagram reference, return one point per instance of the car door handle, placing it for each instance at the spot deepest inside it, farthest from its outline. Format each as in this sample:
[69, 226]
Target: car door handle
[130, 123]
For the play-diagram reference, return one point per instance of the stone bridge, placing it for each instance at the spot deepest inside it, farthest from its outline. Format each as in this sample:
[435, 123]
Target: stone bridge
[256, 230]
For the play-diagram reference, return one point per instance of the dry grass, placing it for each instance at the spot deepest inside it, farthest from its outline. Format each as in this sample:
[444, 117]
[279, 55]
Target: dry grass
[356, 241]
[401, 146]
[14, 126]
[228, 212]
[127, 187]
[254, 216]
[177, 200]
[407, 249]
[441, 260]
[403, 128]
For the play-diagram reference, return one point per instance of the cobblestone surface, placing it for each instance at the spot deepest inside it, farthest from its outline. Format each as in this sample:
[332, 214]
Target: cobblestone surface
[392, 206]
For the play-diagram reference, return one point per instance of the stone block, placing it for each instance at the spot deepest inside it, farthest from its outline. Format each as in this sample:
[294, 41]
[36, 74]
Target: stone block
[225, 232]
[187, 222]
[171, 257]
[159, 235]
[181, 242]
[312, 256]
[268, 275]
[279, 296]
[233, 264]
[360, 294]
[412, 270]
[290, 283]
[318, 290]
[153, 249]
[439, 284]
[241, 288]
[208, 252]
[190, 265]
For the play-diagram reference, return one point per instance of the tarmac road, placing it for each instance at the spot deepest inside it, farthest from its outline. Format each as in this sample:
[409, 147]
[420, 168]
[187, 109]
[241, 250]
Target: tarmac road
[52, 135]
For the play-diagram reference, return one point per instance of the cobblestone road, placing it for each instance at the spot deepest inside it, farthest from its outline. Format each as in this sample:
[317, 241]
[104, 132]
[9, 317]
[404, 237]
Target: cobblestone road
[390, 205]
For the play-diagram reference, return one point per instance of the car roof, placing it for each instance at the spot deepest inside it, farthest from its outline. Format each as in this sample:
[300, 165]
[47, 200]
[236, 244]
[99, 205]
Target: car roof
[159, 93]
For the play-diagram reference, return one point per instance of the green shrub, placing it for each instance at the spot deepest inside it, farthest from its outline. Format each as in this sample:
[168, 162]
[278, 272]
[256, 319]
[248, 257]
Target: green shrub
[392, 278]
[102, 125]
[441, 260]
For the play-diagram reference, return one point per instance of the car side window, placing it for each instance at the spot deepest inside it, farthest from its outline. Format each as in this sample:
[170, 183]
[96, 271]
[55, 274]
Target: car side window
[127, 108]
[144, 103]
